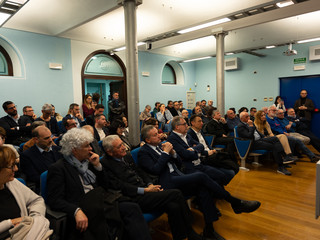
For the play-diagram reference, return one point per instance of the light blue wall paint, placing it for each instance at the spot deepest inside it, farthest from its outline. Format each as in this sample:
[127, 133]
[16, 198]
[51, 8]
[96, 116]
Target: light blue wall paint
[41, 84]
[150, 88]
[243, 85]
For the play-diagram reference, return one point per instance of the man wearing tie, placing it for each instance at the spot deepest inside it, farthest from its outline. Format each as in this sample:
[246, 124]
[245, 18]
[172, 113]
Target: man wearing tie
[162, 161]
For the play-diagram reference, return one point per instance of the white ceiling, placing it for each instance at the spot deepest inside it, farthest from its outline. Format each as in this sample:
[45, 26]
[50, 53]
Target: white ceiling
[102, 22]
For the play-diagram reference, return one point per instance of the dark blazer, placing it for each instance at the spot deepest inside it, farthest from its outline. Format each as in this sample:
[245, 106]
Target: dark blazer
[126, 176]
[33, 163]
[308, 112]
[244, 131]
[151, 162]
[65, 190]
[15, 136]
[217, 128]
[195, 137]
[52, 125]
[96, 134]
[181, 147]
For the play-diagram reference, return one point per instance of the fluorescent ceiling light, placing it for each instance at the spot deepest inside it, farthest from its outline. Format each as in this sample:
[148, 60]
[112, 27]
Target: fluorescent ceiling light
[209, 24]
[271, 46]
[284, 3]
[4, 17]
[230, 53]
[309, 40]
[196, 59]
[124, 47]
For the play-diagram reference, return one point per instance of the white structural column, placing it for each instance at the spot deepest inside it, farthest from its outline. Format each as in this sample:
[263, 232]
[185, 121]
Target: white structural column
[130, 16]
[220, 71]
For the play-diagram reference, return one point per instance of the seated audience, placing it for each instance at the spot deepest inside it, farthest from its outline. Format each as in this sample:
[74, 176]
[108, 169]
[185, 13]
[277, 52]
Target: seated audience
[203, 105]
[242, 109]
[77, 184]
[28, 116]
[138, 187]
[175, 111]
[87, 108]
[198, 103]
[290, 130]
[19, 205]
[68, 123]
[156, 108]
[146, 113]
[301, 126]
[126, 127]
[190, 151]
[74, 112]
[56, 115]
[31, 142]
[232, 120]
[164, 116]
[277, 128]
[154, 122]
[99, 109]
[247, 129]
[16, 132]
[185, 115]
[279, 104]
[219, 128]
[2, 143]
[170, 106]
[181, 108]
[253, 111]
[161, 161]
[40, 157]
[117, 128]
[100, 130]
[51, 122]
[94, 144]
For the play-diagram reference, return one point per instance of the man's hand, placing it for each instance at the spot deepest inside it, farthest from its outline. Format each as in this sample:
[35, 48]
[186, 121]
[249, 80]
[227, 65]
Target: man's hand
[81, 221]
[94, 159]
[223, 120]
[167, 147]
[190, 149]
[223, 135]
[16, 221]
[250, 123]
[153, 188]
[287, 134]
[210, 152]
[78, 115]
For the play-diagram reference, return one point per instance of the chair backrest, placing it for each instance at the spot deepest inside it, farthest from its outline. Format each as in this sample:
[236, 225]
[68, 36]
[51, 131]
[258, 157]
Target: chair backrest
[209, 139]
[43, 185]
[61, 127]
[242, 145]
[235, 131]
[22, 180]
[21, 146]
[134, 154]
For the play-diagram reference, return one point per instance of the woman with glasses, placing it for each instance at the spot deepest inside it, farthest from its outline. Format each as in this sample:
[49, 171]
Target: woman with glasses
[16, 200]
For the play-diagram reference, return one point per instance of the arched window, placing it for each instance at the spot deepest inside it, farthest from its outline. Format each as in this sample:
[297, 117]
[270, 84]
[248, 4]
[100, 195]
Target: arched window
[172, 74]
[168, 75]
[6, 68]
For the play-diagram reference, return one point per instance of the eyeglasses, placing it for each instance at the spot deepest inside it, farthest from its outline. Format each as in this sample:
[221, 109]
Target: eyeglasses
[12, 167]
[183, 123]
[12, 107]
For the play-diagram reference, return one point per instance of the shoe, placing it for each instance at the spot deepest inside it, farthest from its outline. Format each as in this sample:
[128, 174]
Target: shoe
[283, 171]
[210, 234]
[314, 159]
[246, 206]
[287, 166]
[288, 159]
[317, 155]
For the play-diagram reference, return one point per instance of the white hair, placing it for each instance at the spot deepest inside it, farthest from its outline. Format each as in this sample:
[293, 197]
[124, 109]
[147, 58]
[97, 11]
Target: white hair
[107, 142]
[74, 139]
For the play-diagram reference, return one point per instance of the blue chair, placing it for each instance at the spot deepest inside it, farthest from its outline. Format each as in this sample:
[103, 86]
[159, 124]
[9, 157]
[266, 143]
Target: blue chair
[190, 112]
[210, 140]
[61, 127]
[22, 180]
[58, 220]
[21, 147]
[147, 216]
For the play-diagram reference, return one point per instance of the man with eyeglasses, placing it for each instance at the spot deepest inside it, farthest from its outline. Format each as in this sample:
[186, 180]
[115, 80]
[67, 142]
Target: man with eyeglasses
[253, 111]
[40, 157]
[17, 133]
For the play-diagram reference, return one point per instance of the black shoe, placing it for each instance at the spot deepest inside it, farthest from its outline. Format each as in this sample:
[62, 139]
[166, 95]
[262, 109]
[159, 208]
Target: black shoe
[246, 206]
[288, 159]
[287, 166]
[211, 235]
[283, 171]
[314, 159]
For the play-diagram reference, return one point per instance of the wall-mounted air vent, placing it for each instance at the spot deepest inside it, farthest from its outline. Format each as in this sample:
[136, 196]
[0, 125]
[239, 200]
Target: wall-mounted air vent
[314, 53]
[231, 63]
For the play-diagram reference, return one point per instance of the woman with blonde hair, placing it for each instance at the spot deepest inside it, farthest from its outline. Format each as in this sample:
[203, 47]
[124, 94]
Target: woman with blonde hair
[263, 127]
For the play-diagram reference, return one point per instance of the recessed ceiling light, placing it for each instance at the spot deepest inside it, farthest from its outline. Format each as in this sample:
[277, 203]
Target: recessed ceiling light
[209, 24]
[271, 46]
[124, 47]
[196, 59]
[229, 53]
[284, 3]
[309, 40]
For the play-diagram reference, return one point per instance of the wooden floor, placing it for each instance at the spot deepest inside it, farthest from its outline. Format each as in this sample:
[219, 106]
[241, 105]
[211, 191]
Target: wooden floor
[287, 209]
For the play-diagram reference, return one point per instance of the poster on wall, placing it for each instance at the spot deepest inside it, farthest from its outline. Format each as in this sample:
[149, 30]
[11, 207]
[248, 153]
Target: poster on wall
[191, 99]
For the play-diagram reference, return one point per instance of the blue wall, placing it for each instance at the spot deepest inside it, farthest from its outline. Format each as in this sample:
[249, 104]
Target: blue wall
[40, 84]
[243, 85]
[150, 88]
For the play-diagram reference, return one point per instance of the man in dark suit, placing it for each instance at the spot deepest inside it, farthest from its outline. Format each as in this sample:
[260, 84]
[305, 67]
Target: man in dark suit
[74, 112]
[304, 106]
[116, 107]
[162, 160]
[100, 130]
[246, 129]
[190, 151]
[211, 157]
[219, 128]
[90, 119]
[138, 186]
[78, 185]
[40, 157]
[17, 133]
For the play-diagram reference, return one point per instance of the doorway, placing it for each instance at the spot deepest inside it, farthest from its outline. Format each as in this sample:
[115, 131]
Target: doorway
[290, 88]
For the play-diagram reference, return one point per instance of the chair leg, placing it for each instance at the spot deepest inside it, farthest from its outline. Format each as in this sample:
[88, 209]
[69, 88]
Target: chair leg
[243, 165]
[256, 161]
